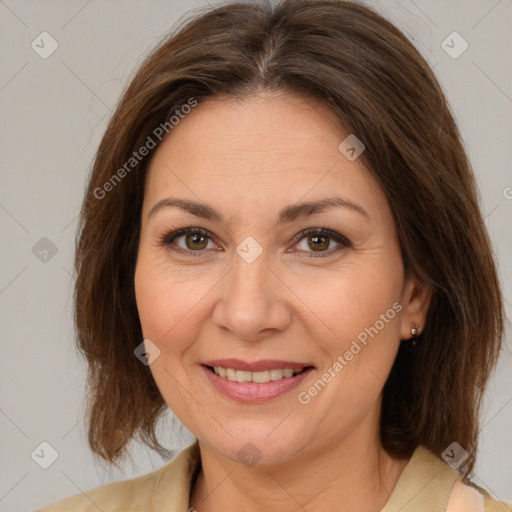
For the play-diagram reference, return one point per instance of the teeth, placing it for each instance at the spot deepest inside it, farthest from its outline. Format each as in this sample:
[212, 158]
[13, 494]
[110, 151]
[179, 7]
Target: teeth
[242, 376]
[261, 377]
[258, 377]
[276, 374]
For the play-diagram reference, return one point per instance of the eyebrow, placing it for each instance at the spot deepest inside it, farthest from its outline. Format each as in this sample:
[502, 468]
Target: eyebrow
[287, 214]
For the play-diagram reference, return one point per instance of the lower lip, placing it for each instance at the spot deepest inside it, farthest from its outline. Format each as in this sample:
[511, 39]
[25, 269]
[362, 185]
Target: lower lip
[251, 392]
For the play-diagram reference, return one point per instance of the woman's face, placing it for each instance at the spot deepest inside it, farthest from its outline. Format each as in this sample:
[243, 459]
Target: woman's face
[257, 289]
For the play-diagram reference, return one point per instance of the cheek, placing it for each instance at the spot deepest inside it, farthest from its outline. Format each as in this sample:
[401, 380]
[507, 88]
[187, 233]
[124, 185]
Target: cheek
[169, 300]
[357, 327]
[345, 303]
[169, 308]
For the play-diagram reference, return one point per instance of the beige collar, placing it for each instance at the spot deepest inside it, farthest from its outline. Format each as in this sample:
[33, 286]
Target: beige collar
[424, 485]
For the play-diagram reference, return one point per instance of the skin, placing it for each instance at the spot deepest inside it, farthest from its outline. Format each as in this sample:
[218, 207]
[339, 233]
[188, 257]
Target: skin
[249, 159]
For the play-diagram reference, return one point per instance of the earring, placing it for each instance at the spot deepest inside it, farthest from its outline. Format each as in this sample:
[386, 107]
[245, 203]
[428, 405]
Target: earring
[415, 330]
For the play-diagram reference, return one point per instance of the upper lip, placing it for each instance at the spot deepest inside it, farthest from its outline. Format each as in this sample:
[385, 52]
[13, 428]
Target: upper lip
[256, 366]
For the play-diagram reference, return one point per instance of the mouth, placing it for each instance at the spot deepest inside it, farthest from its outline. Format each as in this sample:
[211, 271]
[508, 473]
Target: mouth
[255, 382]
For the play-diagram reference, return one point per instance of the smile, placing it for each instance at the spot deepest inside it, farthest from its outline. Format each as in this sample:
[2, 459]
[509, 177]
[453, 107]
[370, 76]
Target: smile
[255, 382]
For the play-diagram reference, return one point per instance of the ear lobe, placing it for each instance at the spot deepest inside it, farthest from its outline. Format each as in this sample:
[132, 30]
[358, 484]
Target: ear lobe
[416, 302]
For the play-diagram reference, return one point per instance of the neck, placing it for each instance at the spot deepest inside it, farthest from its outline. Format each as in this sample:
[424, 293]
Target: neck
[344, 477]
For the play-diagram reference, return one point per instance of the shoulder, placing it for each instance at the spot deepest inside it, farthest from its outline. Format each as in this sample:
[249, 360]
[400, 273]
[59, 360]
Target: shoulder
[428, 483]
[167, 487]
[472, 498]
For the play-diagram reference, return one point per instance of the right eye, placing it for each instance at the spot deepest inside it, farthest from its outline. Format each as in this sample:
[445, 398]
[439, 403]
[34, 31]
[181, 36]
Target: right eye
[188, 240]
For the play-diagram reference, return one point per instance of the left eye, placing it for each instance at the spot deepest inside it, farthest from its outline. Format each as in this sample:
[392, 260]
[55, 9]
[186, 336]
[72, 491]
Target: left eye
[320, 240]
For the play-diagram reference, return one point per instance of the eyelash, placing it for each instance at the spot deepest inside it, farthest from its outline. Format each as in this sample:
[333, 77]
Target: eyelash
[166, 238]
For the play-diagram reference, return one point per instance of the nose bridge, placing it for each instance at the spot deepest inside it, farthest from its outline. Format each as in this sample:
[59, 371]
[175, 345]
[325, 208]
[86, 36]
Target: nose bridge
[249, 282]
[250, 273]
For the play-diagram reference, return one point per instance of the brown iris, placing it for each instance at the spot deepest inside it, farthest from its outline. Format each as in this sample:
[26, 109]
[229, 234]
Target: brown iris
[322, 242]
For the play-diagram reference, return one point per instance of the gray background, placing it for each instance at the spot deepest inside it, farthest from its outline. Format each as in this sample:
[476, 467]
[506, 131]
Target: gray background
[54, 112]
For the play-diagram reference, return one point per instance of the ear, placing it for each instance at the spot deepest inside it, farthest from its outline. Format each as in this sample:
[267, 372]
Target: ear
[415, 301]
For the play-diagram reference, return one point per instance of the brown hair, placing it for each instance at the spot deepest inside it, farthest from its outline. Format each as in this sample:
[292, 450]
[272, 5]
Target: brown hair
[381, 89]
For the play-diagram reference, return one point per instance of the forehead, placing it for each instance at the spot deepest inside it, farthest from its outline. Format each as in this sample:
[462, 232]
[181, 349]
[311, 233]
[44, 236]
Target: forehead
[260, 152]
[264, 126]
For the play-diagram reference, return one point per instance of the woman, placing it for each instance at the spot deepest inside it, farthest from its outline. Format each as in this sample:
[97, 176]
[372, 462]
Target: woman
[281, 242]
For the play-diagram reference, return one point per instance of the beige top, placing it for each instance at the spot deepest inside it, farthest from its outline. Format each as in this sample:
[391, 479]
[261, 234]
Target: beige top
[426, 484]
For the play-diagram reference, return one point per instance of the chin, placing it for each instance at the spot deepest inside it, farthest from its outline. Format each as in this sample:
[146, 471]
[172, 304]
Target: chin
[258, 445]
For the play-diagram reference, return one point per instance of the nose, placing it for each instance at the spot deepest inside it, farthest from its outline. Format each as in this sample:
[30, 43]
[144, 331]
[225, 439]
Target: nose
[252, 303]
